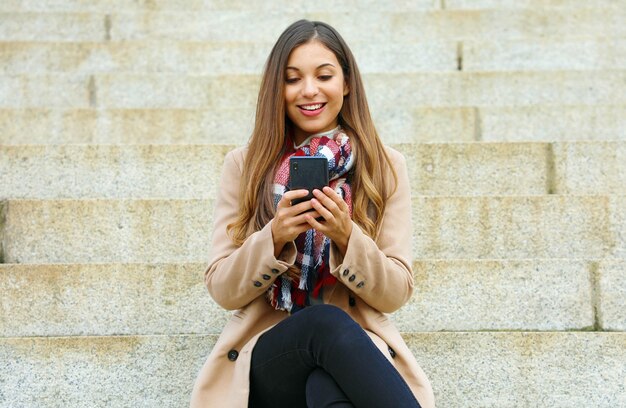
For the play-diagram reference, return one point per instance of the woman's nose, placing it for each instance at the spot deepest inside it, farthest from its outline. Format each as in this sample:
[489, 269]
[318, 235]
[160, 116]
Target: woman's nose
[310, 88]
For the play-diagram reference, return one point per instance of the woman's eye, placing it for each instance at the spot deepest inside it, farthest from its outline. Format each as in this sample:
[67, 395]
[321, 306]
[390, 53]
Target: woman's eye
[325, 77]
[291, 80]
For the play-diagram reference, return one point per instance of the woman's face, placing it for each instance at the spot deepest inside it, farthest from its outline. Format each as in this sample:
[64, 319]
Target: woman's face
[314, 90]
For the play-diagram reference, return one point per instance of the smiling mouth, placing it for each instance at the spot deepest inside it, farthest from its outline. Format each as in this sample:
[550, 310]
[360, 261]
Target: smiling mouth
[312, 109]
[312, 106]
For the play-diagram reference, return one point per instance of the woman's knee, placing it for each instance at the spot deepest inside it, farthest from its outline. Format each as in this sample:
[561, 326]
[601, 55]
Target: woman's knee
[331, 326]
[328, 318]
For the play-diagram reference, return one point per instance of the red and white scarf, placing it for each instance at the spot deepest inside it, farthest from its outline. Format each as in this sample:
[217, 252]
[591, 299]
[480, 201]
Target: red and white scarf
[313, 247]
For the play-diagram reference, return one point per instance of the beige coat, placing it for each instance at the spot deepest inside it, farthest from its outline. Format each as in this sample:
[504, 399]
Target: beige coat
[375, 277]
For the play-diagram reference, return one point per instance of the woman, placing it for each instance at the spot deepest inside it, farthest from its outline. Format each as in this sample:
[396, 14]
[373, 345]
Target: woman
[311, 281]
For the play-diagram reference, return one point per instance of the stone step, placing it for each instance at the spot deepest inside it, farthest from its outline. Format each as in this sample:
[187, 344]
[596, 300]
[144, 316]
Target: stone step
[529, 4]
[231, 125]
[106, 299]
[248, 57]
[125, 126]
[107, 6]
[193, 171]
[45, 26]
[500, 369]
[456, 295]
[405, 91]
[205, 57]
[460, 227]
[533, 55]
[292, 6]
[599, 122]
[392, 27]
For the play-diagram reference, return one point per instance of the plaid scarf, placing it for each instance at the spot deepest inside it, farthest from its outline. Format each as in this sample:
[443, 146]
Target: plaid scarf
[313, 247]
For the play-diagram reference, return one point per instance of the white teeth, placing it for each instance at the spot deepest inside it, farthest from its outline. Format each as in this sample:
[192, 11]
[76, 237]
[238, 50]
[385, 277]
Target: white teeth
[312, 107]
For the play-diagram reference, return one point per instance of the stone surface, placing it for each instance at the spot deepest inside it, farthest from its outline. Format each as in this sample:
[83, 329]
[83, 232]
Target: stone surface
[106, 299]
[577, 122]
[402, 26]
[523, 369]
[496, 89]
[3, 205]
[88, 231]
[590, 168]
[611, 275]
[213, 5]
[389, 57]
[52, 27]
[500, 227]
[385, 26]
[476, 168]
[79, 171]
[498, 295]
[533, 4]
[519, 227]
[617, 213]
[482, 369]
[128, 371]
[398, 125]
[176, 91]
[139, 57]
[520, 55]
[125, 126]
[205, 57]
[45, 91]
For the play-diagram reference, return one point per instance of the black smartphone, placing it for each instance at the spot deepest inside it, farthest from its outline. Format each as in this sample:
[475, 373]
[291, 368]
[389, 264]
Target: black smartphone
[307, 173]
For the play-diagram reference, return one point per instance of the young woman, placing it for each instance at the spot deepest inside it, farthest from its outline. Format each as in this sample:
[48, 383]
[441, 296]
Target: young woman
[311, 281]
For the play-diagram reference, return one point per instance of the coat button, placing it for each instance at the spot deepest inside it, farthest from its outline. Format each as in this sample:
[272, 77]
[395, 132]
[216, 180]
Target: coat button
[352, 278]
[346, 272]
[392, 353]
[360, 284]
[258, 284]
[351, 301]
[274, 270]
[266, 277]
[232, 355]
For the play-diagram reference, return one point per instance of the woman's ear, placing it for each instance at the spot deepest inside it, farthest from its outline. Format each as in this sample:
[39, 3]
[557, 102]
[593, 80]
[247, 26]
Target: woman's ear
[346, 88]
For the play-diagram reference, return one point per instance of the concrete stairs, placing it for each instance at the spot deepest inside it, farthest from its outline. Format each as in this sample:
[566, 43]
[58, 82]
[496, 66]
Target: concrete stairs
[115, 117]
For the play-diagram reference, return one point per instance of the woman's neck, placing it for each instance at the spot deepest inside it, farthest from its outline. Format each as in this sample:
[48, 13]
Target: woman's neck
[303, 139]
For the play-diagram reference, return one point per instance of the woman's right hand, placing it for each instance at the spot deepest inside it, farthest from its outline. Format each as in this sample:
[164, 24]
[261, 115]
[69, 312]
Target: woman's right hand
[290, 221]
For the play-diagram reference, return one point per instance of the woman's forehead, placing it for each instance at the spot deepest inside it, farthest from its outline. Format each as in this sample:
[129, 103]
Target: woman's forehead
[311, 56]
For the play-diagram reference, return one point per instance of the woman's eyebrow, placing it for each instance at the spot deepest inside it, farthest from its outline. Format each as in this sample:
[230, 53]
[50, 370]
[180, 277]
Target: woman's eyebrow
[327, 64]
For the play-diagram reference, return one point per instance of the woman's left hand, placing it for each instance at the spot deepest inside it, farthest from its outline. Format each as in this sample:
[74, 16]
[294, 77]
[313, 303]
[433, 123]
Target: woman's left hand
[337, 224]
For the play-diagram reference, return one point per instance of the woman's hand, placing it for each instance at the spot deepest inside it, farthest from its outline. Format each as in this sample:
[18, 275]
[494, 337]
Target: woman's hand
[336, 223]
[290, 221]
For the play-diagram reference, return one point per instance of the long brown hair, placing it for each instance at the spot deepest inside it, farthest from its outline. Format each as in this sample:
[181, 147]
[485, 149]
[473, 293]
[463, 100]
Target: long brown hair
[267, 142]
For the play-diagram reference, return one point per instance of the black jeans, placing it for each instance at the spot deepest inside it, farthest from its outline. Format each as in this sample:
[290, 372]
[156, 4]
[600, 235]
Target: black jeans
[320, 357]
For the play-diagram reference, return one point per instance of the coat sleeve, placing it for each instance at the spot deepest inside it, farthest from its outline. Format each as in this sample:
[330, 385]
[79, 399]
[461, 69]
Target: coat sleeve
[380, 271]
[236, 275]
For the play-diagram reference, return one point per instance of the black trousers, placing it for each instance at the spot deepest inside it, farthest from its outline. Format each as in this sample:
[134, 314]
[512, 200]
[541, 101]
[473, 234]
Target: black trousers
[320, 357]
